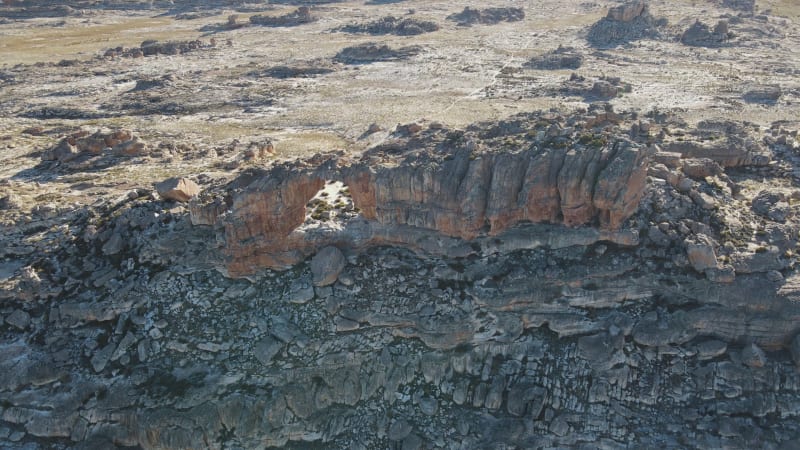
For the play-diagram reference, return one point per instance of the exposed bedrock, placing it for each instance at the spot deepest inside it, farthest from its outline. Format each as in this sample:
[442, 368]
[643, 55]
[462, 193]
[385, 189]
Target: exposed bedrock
[430, 199]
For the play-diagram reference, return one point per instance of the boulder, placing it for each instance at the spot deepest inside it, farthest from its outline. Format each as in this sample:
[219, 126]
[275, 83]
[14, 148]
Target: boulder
[326, 266]
[132, 147]
[627, 12]
[701, 254]
[177, 189]
[700, 35]
[753, 356]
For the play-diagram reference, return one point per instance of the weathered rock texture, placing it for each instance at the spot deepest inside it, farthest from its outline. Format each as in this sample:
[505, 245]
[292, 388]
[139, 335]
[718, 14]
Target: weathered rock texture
[448, 184]
[393, 25]
[627, 22]
[85, 144]
[488, 16]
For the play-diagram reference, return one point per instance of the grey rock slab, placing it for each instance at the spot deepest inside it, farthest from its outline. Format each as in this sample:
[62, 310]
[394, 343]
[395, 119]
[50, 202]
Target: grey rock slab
[711, 349]
[524, 398]
[428, 405]
[399, 429]
[412, 442]
[19, 319]
[102, 357]
[326, 266]
[127, 341]
[266, 349]
[753, 356]
[300, 292]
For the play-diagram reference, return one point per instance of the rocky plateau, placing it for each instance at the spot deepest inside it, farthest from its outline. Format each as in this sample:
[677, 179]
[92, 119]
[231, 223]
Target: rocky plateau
[399, 224]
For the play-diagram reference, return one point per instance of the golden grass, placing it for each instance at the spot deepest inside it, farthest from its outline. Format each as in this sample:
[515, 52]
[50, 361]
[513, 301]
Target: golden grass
[73, 40]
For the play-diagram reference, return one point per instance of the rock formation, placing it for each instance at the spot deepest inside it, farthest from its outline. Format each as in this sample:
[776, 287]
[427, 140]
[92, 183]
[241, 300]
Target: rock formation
[604, 259]
[446, 183]
[488, 16]
[560, 58]
[700, 35]
[627, 22]
[393, 25]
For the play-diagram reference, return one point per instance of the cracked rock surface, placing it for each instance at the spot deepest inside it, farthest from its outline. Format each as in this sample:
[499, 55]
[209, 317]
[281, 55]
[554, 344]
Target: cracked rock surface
[250, 226]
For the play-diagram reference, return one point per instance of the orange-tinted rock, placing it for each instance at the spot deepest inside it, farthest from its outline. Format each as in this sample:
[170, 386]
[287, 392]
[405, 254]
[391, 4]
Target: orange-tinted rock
[434, 191]
[177, 189]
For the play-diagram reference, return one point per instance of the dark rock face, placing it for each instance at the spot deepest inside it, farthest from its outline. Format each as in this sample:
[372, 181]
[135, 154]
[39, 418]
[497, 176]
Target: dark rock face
[560, 58]
[300, 16]
[126, 334]
[372, 52]
[700, 35]
[766, 94]
[489, 16]
[393, 25]
[747, 6]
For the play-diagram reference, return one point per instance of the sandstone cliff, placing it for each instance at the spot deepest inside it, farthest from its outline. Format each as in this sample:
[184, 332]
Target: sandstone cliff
[453, 184]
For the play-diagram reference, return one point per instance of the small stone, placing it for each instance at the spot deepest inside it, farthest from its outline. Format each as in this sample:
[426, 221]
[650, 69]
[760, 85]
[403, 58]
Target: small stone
[142, 351]
[300, 293]
[16, 436]
[711, 349]
[700, 252]
[19, 319]
[753, 356]
[132, 147]
[209, 347]
[176, 346]
[114, 244]
[428, 405]
[101, 358]
[412, 442]
[725, 274]
[266, 349]
[685, 185]
[399, 430]
[343, 324]
[559, 427]
[123, 346]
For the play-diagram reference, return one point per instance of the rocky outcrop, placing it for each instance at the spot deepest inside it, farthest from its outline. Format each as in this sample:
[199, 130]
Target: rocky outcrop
[372, 52]
[624, 23]
[393, 25]
[457, 189]
[300, 16]
[488, 16]
[558, 59]
[84, 144]
[700, 35]
[153, 47]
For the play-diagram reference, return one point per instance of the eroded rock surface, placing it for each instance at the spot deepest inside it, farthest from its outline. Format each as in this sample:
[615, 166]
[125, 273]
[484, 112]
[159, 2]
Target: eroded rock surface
[449, 185]
[615, 267]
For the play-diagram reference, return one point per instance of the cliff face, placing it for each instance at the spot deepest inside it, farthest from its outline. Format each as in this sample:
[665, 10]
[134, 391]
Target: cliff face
[450, 185]
[463, 193]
